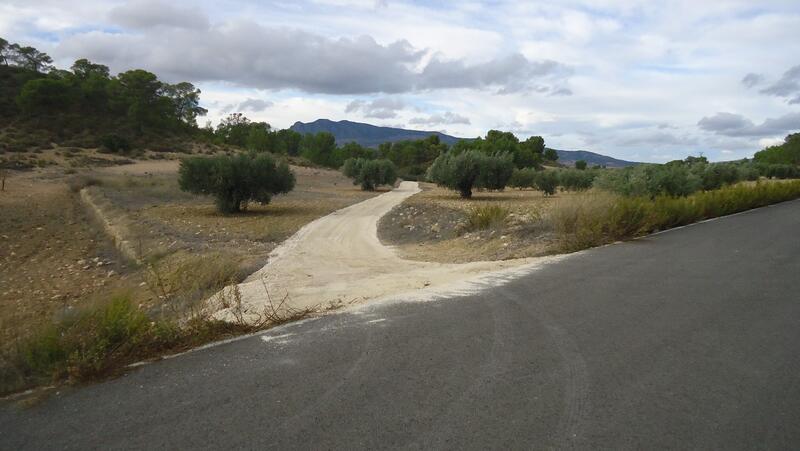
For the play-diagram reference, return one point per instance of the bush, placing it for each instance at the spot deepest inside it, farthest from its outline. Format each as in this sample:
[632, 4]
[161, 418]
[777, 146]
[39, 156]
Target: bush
[598, 218]
[236, 180]
[115, 143]
[547, 182]
[370, 173]
[485, 217]
[576, 179]
[471, 169]
[580, 165]
[522, 178]
[84, 345]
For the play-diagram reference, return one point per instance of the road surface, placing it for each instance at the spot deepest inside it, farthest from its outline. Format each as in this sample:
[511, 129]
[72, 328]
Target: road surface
[688, 339]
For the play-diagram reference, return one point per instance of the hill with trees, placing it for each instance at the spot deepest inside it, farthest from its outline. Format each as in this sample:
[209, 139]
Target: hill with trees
[786, 153]
[367, 135]
[86, 106]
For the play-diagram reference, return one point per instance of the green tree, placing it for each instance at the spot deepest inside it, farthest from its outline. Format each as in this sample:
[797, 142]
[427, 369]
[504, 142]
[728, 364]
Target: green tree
[186, 102]
[318, 148]
[550, 155]
[45, 96]
[236, 180]
[580, 165]
[547, 182]
[370, 173]
[30, 58]
[260, 138]
[234, 129]
[471, 169]
[288, 142]
[4, 51]
[137, 93]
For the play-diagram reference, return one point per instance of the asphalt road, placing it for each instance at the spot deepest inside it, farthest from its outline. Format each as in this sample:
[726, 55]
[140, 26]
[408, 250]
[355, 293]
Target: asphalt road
[689, 339]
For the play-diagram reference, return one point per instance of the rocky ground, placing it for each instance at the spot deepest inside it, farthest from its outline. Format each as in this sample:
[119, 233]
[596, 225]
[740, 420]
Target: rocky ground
[434, 225]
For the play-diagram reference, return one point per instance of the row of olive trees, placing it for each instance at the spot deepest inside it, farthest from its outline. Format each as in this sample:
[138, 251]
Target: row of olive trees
[471, 169]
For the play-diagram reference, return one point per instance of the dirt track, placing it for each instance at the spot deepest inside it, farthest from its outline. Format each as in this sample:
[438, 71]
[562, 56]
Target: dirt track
[338, 260]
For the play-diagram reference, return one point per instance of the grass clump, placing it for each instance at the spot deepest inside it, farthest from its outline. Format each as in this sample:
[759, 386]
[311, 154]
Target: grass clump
[598, 218]
[84, 344]
[77, 183]
[487, 217]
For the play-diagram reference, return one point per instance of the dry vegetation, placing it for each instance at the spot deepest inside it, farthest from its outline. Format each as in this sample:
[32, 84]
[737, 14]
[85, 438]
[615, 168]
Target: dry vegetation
[58, 268]
[438, 225]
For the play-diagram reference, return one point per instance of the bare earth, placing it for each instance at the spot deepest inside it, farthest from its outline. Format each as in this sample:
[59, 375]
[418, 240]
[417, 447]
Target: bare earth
[338, 260]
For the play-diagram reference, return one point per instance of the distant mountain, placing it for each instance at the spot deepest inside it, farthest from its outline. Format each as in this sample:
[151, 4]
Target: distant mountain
[366, 134]
[569, 157]
[371, 136]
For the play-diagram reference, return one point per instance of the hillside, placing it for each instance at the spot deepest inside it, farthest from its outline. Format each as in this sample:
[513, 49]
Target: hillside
[569, 157]
[366, 135]
[371, 136]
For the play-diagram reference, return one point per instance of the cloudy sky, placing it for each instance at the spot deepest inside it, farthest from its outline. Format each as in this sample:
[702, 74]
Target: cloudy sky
[640, 80]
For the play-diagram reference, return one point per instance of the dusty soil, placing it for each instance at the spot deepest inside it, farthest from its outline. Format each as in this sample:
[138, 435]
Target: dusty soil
[53, 257]
[338, 260]
[434, 226]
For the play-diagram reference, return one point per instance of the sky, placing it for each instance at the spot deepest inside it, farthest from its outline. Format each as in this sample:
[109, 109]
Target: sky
[638, 80]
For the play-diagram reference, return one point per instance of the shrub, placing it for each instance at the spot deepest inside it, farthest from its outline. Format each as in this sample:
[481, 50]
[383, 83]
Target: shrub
[523, 178]
[236, 180]
[77, 183]
[598, 218]
[471, 169]
[576, 179]
[547, 182]
[485, 217]
[580, 165]
[370, 173]
[115, 143]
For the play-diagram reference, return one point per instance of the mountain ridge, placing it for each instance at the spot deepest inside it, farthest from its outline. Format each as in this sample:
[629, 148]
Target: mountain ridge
[369, 135]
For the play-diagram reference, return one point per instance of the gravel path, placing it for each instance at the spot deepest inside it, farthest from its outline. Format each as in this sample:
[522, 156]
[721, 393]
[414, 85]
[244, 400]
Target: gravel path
[338, 260]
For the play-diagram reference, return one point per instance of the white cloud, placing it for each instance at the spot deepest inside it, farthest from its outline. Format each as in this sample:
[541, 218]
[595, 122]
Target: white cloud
[446, 118]
[631, 66]
[381, 108]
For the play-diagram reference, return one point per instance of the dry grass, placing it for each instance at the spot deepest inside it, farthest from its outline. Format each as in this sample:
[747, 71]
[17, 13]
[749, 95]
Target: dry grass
[57, 264]
[438, 225]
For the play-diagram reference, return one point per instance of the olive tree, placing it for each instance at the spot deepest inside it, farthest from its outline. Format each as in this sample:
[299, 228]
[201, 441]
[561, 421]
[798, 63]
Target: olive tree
[471, 169]
[370, 173]
[236, 180]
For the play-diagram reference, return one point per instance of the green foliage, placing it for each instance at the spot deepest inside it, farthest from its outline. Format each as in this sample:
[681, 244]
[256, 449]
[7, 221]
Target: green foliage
[412, 158]
[319, 148]
[580, 165]
[487, 217]
[546, 181]
[468, 169]
[370, 173]
[550, 155]
[524, 154]
[236, 180]
[778, 171]
[523, 178]
[601, 218]
[786, 153]
[576, 179]
[115, 143]
[87, 100]
[86, 343]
